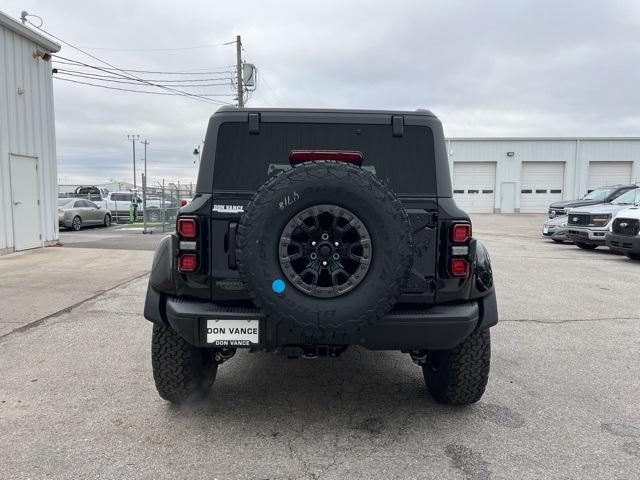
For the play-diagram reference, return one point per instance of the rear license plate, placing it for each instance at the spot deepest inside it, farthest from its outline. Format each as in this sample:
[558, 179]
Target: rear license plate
[233, 333]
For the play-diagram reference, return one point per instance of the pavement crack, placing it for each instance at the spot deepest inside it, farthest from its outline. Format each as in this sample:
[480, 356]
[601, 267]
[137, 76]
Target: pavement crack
[70, 308]
[566, 320]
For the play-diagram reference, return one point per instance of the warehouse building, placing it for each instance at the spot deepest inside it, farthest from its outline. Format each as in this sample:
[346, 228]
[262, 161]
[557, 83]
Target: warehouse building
[28, 178]
[525, 175]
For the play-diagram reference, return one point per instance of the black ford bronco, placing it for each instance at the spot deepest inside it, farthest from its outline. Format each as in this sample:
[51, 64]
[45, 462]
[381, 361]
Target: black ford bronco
[315, 230]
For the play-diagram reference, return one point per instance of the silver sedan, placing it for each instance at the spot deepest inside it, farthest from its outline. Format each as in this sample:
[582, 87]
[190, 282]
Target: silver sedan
[76, 213]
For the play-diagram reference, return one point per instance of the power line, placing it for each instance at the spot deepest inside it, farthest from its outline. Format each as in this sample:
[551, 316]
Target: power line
[150, 92]
[161, 80]
[118, 80]
[199, 71]
[264, 79]
[197, 47]
[118, 75]
[201, 98]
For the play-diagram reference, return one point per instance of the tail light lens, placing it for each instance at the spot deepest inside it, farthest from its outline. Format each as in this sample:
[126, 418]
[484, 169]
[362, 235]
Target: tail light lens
[461, 233]
[184, 202]
[299, 156]
[187, 227]
[459, 267]
[187, 263]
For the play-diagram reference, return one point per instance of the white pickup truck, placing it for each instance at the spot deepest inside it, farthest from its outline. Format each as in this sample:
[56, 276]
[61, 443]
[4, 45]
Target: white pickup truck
[119, 202]
[624, 233]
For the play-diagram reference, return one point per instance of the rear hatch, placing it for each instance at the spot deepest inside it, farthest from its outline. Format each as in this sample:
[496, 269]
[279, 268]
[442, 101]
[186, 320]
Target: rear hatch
[245, 159]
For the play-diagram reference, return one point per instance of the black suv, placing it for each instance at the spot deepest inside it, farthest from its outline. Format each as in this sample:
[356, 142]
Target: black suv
[315, 230]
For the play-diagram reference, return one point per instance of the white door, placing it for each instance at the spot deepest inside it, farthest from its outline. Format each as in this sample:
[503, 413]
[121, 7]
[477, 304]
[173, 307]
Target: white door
[25, 207]
[541, 184]
[474, 184]
[507, 197]
[602, 174]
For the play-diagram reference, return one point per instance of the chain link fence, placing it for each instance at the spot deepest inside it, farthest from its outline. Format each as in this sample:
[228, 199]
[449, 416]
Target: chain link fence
[155, 205]
[163, 200]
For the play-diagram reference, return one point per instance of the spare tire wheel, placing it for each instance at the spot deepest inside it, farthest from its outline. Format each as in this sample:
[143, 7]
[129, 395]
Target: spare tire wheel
[325, 244]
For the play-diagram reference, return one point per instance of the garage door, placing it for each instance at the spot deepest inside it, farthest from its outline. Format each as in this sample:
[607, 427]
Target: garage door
[474, 184]
[540, 185]
[602, 174]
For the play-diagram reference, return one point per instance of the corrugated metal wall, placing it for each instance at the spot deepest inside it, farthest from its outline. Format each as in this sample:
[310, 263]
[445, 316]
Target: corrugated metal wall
[576, 154]
[26, 128]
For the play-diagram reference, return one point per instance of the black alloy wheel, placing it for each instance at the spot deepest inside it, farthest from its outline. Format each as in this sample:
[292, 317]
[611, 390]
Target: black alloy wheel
[325, 250]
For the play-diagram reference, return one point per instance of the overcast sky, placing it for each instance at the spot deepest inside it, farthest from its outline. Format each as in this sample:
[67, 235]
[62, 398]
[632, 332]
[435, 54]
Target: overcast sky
[486, 68]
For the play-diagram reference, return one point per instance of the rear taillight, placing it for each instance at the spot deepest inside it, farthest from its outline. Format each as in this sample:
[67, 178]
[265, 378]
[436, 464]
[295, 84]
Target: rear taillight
[187, 263]
[187, 227]
[300, 156]
[184, 202]
[461, 233]
[459, 267]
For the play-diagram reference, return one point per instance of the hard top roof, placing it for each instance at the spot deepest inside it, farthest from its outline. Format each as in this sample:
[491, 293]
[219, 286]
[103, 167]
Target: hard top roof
[420, 111]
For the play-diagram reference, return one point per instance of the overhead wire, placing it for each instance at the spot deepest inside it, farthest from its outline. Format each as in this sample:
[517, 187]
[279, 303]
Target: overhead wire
[104, 78]
[263, 79]
[199, 71]
[151, 92]
[119, 75]
[170, 89]
[197, 47]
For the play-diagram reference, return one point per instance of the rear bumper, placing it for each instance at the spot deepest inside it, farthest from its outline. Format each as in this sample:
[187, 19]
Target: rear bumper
[623, 243]
[432, 328]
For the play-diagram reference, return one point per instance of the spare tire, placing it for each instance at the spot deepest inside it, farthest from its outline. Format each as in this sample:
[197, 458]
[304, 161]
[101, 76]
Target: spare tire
[325, 245]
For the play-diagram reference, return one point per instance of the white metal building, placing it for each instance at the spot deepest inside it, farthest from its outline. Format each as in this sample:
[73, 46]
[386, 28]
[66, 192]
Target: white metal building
[28, 178]
[525, 175]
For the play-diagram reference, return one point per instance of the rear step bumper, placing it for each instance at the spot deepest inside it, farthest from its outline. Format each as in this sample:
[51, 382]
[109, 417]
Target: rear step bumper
[432, 328]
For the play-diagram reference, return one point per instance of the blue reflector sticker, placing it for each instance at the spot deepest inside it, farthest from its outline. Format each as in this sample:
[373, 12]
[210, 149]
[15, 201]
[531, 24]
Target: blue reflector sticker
[278, 285]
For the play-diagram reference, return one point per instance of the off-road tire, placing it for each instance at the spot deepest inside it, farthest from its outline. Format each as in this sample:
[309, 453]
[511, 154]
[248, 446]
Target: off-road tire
[586, 246]
[459, 376]
[633, 256]
[299, 188]
[107, 220]
[181, 371]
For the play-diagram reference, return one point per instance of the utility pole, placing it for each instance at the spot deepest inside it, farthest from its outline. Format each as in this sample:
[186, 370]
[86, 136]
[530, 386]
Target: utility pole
[239, 71]
[133, 139]
[144, 189]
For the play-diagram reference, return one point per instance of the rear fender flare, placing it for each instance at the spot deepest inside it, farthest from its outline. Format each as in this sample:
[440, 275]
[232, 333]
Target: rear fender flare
[482, 272]
[161, 277]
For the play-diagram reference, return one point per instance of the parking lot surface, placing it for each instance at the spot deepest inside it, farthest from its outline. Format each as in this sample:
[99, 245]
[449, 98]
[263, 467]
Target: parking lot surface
[77, 398]
[115, 238]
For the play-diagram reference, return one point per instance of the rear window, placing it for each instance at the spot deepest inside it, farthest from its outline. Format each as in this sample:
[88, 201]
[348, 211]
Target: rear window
[244, 162]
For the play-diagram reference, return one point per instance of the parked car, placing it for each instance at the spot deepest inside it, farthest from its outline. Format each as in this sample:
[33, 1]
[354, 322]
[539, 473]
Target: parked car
[357, 242]
[120, 202]
[624, 236]
[556, 229]
[595, 197]
[76, 213]
[588, 226]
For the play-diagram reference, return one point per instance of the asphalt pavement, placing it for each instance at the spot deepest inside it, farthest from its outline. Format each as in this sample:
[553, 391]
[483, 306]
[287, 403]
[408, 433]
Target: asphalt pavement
[77, 398]
[116, 238]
